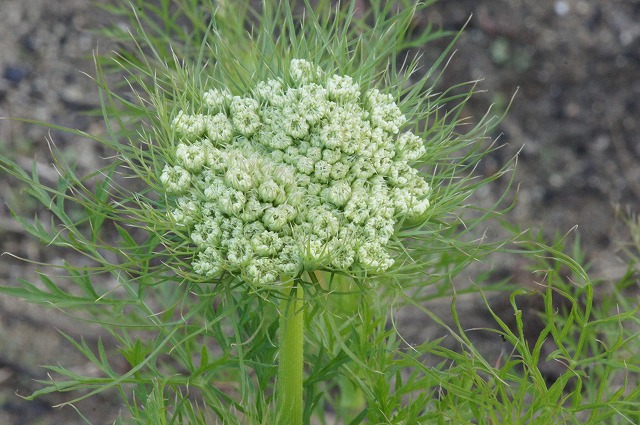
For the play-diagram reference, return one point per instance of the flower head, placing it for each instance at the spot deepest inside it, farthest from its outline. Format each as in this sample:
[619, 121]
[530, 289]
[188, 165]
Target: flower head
[286, 179]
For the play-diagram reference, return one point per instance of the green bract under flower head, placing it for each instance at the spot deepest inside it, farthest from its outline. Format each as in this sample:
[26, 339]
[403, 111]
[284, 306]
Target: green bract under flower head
[291, 178]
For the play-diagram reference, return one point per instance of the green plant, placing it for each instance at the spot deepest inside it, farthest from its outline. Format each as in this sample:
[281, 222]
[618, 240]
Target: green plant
[281, 180]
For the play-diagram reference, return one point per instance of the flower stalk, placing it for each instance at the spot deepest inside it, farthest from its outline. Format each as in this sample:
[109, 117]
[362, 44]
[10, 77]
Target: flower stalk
[289, 390]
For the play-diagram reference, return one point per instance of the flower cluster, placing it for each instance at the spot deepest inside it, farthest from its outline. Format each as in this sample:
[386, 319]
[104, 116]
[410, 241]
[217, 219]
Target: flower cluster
[309, 176]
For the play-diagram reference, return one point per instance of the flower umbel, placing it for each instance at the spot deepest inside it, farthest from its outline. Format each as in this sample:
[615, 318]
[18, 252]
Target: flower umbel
[290, 178]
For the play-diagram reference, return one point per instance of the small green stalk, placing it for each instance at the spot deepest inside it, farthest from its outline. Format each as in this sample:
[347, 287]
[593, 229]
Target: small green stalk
[289, 390]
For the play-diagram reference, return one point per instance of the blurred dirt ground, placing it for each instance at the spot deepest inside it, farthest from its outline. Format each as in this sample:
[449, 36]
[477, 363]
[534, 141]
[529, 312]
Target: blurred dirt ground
[575, 117]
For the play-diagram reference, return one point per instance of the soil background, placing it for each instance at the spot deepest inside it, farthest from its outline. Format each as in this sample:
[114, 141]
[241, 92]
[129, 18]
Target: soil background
[574, 64]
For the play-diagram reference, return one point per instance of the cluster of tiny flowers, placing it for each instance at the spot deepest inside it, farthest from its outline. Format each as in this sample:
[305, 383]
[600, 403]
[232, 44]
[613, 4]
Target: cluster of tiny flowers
[309, 176]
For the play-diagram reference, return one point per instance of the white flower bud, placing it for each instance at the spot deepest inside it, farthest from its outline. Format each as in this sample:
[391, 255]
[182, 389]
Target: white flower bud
[217, 160]
[275, 218]
[343, 88]
[186, 213]
[238, 178]
[313, 104]
[322, 171]
[215, 189]
[216, 100]
[374, 256]
[269, 90]
[271, 192]
[266, 243]
[278, 140]
[294, 124]
[244, 115]
[332, 136]
[331, 155]
[208, 262]
[356, 208]
[410, 146]
[253, 209]
[339, 170]
[325, 224]
[362, 169]
[239, 253]
[314, 153]
[176, 180]
[232, 201]
[219, 128]
[189, 126]
[261, 271]
[303, 72]
[338, 193]
[304, 164]
[191, 157]
[207, 233]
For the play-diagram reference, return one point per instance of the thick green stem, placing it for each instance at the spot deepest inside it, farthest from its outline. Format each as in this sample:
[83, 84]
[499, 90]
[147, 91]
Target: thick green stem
[289, 390]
